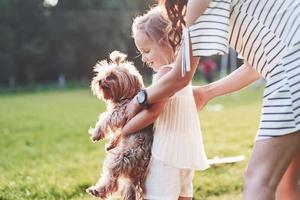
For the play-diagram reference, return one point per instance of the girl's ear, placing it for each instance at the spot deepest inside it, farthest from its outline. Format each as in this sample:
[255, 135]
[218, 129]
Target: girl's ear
[162, 41]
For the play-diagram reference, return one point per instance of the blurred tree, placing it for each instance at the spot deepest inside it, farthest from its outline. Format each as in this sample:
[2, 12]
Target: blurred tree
[7, 42]
[29, 42]
[39, 43]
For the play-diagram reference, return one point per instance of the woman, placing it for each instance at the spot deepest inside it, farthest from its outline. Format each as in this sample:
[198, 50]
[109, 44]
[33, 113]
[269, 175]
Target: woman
[266, 34]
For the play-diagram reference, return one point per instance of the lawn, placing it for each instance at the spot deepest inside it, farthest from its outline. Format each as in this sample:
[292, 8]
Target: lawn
[45, 151]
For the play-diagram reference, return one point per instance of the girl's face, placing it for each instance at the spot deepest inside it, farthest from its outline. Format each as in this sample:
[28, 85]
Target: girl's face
[154, 54]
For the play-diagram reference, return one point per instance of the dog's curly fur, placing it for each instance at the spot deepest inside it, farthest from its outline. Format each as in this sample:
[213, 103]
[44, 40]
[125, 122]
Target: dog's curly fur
[116, 83]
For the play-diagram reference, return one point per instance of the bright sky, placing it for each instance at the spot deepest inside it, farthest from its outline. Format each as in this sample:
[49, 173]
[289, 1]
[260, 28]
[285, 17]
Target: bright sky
[50, 2]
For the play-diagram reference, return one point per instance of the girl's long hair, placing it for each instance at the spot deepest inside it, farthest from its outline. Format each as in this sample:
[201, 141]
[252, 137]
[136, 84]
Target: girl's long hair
[176, 10]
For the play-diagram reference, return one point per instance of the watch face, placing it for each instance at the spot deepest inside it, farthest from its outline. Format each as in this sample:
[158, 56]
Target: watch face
[141, 97]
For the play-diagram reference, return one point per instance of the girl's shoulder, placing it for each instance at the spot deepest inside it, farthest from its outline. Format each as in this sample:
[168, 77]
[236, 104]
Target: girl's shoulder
[163, 70]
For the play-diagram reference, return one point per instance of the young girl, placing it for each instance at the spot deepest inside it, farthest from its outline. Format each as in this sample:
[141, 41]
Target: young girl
[177, 147]
[266, 35]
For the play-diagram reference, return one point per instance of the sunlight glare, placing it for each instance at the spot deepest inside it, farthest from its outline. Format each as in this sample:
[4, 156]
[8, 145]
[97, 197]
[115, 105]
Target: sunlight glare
[50, 3]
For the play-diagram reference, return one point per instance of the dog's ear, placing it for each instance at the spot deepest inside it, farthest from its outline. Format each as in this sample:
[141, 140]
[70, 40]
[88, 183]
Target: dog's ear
[95, 87]
[100, 69]
[100, 65]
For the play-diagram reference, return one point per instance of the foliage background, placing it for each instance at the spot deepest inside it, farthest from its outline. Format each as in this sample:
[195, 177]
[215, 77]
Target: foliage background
[39, 43]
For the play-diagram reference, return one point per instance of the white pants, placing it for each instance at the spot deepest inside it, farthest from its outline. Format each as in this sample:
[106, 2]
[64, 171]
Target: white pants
[165, 182]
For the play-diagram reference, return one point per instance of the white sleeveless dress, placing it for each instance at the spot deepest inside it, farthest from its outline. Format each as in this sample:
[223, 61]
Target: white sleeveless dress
[267, 35]
[177, 134]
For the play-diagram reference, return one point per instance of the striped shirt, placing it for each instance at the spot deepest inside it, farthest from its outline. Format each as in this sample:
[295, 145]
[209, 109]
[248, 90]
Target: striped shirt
[267, 35]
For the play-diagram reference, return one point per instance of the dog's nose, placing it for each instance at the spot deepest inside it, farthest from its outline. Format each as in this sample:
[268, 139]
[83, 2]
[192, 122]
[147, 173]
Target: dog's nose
[100, 82]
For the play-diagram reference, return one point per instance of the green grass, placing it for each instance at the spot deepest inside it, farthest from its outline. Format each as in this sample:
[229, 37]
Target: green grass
[45, 151]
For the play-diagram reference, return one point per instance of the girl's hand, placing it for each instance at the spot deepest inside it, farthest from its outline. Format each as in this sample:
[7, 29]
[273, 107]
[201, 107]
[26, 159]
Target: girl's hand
[132, 109]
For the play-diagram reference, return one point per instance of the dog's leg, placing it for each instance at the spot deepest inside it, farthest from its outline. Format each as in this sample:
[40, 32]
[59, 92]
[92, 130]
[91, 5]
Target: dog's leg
[128, 191]
[105, 187]
[96, 133]
[99, 132]
[108, 183]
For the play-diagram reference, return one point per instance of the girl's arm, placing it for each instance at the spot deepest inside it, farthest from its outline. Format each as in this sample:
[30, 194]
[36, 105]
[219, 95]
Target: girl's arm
[237, 80]
[143, 119]
[146, 116]
[138, 122]
[174, 81]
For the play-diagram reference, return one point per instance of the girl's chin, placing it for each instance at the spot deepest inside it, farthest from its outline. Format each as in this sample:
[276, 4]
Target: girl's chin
[155, 68]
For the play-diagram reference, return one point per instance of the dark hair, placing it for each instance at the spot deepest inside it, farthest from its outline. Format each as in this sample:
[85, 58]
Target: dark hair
[176, 10]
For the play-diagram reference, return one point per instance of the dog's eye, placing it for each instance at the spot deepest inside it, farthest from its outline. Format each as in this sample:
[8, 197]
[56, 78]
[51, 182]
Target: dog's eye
[111, 77]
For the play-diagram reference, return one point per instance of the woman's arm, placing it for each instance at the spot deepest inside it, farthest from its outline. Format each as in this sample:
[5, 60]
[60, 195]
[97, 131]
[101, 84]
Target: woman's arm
[237, 80]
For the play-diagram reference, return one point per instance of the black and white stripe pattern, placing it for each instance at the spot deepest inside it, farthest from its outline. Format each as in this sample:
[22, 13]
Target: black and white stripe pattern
[281, 110]
[267, 35]
[209, 34]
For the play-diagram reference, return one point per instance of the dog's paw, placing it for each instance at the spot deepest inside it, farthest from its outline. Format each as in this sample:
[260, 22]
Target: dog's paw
[96, 134]
[96, 137]
[113, 143]
[97, 192]
[109, 146]
[91, 131]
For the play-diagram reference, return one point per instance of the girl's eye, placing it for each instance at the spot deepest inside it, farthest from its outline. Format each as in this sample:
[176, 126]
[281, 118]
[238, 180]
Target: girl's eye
[146, 51]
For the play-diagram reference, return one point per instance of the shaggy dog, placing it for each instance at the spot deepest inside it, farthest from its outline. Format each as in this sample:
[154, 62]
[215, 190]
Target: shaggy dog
[116, 83]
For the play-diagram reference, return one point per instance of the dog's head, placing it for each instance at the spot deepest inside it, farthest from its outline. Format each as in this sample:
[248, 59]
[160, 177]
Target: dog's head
[116, 80]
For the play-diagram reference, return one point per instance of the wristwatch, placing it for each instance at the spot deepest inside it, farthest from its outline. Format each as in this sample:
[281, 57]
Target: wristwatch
[141, 98]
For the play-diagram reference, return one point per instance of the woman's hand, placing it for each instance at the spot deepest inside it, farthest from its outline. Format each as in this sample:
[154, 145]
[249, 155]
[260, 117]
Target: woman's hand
[201, 96]
[132, 109]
